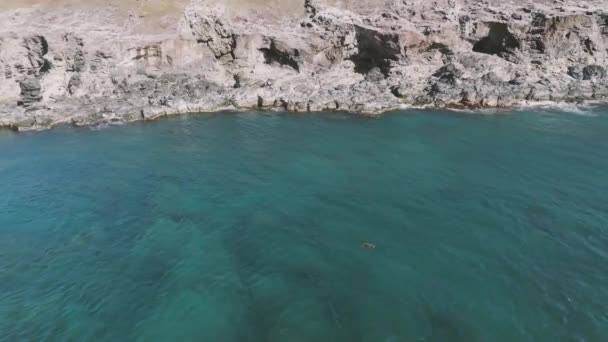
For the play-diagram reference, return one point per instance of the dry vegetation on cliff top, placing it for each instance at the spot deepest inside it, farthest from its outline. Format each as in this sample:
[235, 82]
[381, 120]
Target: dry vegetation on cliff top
[157, 8]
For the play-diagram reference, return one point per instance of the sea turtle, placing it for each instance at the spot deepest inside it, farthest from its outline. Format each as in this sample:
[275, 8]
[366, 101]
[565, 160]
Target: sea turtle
[368, 245]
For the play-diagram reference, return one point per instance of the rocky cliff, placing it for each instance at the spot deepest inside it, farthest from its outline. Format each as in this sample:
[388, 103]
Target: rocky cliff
[98, 63]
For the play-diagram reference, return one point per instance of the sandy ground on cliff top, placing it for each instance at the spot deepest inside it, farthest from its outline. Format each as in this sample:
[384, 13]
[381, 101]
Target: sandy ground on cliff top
[159, 8]
[152, 17]
[151, 10]
[163, 7]
[156, 16]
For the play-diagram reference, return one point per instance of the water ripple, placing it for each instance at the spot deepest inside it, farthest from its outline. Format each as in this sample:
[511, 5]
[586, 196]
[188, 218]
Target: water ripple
[248, 227]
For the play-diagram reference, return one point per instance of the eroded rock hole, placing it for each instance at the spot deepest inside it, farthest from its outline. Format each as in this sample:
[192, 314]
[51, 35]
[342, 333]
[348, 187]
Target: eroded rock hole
[376, 50]
[498, 42]
[44, 45]
[46, 66]
[272, 54]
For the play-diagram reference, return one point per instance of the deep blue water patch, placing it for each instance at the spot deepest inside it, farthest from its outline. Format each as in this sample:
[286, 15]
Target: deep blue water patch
[248, 227]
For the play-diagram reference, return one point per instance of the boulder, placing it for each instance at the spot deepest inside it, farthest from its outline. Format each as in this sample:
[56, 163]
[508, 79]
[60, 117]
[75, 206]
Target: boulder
[30, 91]
[587, 72]
[374, 75]
[449, 73]
[592, 72]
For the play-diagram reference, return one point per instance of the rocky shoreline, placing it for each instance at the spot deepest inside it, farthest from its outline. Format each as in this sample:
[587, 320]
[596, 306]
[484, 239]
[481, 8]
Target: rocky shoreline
[87, 65]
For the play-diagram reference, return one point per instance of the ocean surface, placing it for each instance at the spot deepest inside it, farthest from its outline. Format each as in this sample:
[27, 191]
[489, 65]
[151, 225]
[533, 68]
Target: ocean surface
[249, 227]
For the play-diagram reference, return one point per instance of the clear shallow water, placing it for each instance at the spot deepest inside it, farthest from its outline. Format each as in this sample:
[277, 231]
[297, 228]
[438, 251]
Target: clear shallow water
[247, 227]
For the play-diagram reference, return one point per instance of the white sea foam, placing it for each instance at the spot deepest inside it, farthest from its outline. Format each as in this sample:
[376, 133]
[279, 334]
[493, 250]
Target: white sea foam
[583, 109]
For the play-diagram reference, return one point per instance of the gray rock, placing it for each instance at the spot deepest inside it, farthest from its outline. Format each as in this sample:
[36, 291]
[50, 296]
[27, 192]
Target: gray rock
[74, 83]
[30, 91]
[374, 75]
[587, 72]
[365, 56]
[449, 73]
[492, 79]
[576, 71]
[591, 72]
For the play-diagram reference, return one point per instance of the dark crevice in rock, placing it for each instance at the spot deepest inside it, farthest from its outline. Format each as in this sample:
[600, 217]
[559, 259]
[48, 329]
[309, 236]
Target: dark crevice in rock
[38, 47]
[538, 45]
[587, 72]
[77, 63]
[589, 46]
[375, 74]
[148, 52]
[74, 83]
[449, 73]
[310, 8]
[46, 66]
[30, 91]
[498, 42]
[44, 44]
[376, 50]
[232, 48]
[395, 91]
[539, 20]
[364, 65]
[274, 55]
[444, 49]
[593, 71]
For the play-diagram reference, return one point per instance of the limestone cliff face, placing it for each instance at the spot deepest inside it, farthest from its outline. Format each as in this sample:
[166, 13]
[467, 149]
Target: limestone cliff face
[87, 65]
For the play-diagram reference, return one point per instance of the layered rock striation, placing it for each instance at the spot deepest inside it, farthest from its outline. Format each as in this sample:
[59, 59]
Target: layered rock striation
[88, 65]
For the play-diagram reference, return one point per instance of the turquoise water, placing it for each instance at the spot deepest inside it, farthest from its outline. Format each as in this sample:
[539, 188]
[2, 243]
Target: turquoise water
[248, 227]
